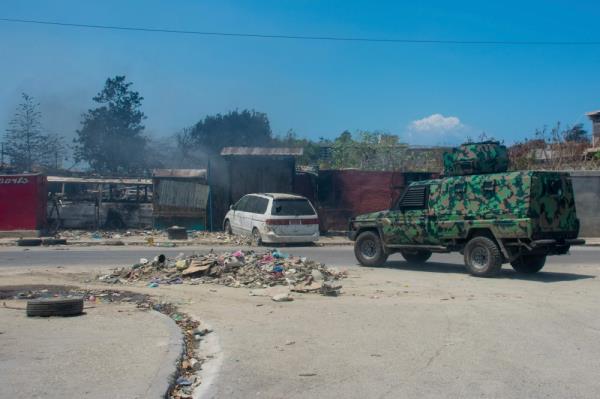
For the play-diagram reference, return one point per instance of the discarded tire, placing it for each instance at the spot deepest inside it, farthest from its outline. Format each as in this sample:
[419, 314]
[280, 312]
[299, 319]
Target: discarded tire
[55, 307]
[177, 233]
[54, 241]
[114, 242]
[29, 242]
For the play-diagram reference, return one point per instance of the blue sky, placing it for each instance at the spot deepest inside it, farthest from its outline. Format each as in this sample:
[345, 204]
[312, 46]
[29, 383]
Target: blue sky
[427, 94]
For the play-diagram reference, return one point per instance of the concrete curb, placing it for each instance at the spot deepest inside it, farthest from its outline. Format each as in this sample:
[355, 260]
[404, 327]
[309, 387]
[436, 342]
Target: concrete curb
[211, 367]
[168, 369]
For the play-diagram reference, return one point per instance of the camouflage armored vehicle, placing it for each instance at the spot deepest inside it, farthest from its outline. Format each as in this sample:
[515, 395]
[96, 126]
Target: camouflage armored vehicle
[489, 215]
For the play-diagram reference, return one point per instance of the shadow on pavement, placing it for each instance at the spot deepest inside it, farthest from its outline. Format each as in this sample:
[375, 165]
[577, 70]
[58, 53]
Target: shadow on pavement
[439, 267]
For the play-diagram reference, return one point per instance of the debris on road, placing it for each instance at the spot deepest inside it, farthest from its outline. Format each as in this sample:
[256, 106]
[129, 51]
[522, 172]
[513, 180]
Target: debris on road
[282, 298]
[156, 238]
[250, 269]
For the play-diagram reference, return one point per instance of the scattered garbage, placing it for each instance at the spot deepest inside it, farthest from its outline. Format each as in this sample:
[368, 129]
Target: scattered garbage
[156, 238]
[282, 298]
[250, 269]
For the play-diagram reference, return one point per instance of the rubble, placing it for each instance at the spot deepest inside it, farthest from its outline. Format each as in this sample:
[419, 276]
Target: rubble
[157, 238]
[250, 269]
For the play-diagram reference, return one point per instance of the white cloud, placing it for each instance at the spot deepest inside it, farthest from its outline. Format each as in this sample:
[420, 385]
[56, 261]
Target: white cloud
[436, 123]
[436, 129]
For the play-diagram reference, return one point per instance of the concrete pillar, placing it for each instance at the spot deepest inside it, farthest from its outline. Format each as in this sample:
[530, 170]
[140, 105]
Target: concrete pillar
[595, 118]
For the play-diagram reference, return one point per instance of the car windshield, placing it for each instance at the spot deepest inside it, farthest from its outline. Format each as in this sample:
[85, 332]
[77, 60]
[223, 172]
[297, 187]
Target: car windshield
[292, 207]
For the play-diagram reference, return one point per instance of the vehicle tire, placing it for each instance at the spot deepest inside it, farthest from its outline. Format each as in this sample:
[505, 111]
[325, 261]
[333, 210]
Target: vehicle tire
[529, 264]
[369, 250]
[55, 307]
[29, 242]
[418, 256]
[227, 228]
[256, 238]
[483, 257]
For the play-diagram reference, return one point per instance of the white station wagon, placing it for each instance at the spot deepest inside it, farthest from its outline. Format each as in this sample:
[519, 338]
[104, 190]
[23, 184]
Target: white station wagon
[273, 218]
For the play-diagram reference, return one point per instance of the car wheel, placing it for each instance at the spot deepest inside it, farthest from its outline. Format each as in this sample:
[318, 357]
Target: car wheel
[256, 238]
[529, 264]
[368, 249]
[227, 228]
[418, 256]
[483, 257]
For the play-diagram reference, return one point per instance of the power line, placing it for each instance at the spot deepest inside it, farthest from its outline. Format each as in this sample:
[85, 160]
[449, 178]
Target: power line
[302, 37]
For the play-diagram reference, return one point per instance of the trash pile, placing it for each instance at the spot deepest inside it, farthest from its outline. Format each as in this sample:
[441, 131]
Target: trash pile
[250, 269]
[221, 238]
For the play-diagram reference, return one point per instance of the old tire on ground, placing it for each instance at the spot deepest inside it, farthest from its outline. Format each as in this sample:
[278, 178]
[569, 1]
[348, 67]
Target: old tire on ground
[55, 307]
[227, 228]
[483, 257]
[418, 256]
[529, 264]
[256, 238]
[54, 241]
[368, 249]
[29, 242]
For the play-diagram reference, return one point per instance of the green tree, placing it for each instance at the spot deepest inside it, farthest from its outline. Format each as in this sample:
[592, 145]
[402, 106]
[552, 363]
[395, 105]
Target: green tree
[24, 140]
[111, 137]
[54, 151]
[245, 128]
[311, 150]
[576, 134]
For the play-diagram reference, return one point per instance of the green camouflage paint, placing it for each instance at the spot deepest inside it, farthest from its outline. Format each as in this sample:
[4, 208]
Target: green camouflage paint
[517, 205]
[473, 158]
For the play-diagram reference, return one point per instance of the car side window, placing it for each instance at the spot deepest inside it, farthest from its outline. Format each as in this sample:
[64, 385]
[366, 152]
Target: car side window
[260, 206]
[242, 204]
[251, 204]
[415, 197]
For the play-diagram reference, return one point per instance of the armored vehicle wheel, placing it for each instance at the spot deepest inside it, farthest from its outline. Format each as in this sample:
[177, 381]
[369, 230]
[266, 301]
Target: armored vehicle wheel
[368, 249]
[483, 257]
[529, 264]
[418, 256]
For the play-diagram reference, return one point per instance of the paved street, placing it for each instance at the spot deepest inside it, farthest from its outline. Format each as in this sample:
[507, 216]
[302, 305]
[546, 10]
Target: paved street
[112, 351]
[340, 256]
[401, 331]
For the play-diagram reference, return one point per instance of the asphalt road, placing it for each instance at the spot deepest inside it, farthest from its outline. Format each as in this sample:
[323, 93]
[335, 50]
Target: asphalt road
[338, 256]
[403, 331]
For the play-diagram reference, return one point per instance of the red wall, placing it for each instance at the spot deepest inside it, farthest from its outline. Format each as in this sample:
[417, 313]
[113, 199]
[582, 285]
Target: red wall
[343, 194]
[22, 202]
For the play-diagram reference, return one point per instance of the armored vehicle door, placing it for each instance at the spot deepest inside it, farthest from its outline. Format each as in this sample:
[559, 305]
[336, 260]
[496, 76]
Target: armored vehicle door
[408, 221]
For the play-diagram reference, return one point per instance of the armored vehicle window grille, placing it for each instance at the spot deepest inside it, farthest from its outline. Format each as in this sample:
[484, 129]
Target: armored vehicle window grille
[489, 186]
[466, 165]
[459, 188]
[414, 197]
